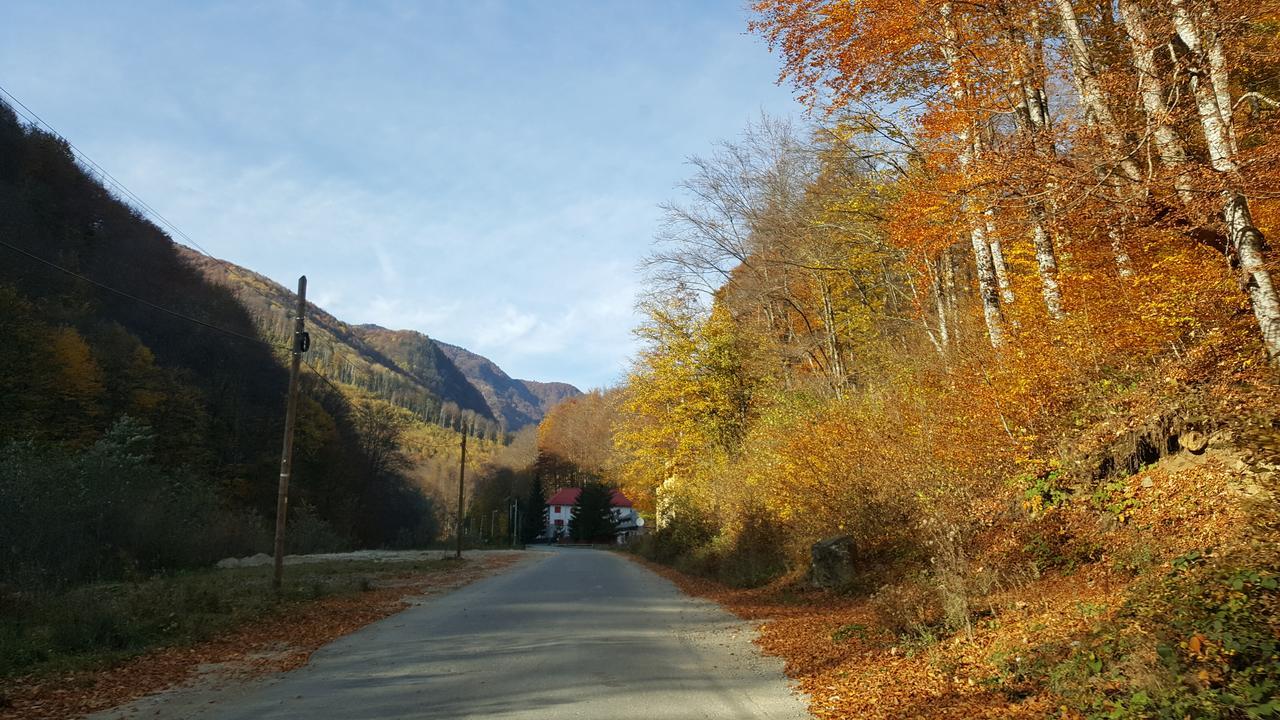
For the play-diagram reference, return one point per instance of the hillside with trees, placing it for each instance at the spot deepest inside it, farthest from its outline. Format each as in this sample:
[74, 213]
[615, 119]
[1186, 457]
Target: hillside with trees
[999, 320]
[128, 355]
[516, 403]
[404, 368]
[422, 358]
[140, 409]
[441, 383]
[408, 385]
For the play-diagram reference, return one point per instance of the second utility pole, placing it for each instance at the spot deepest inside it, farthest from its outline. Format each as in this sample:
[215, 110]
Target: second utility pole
[290, 413]
[462, 470]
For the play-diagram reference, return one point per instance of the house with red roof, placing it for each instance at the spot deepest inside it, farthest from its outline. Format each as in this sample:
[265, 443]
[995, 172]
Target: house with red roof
[560, 510]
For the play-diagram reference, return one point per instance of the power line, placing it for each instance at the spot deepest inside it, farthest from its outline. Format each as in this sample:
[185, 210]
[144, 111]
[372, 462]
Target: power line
[137, 299]
[320, 375]
[31, 116]
[34, 118]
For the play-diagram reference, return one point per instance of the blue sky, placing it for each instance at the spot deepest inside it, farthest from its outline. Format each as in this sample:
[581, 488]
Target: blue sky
[485, 172]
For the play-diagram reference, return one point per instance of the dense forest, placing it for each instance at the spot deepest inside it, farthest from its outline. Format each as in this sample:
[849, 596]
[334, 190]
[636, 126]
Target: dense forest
[404, 368]
[1000, 312]
[142, 404]
[425, 392]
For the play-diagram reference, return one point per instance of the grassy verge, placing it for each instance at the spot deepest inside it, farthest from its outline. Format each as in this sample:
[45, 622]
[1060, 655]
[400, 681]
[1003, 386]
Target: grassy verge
[97, 626]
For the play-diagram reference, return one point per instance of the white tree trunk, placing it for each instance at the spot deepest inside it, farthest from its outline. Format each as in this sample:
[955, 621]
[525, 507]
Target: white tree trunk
[836, 359]
[1213, 122]
[997, 260]
[1124, 265]
[942, 338]
[1046, 263]
[987, 281]
[987, 285]
[1097, 111]
[1092, 96]
[1219, 76]
[1248, 244]
[1244, 240]
[940, 302]
[1173, 153]
[1033, 120]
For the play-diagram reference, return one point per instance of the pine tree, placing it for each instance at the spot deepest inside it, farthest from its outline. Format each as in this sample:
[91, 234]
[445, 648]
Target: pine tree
[592, 518]
[534, 512]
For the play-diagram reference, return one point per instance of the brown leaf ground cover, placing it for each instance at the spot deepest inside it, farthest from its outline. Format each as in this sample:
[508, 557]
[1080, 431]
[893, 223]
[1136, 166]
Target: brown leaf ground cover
[1085, 565]
[279, 642]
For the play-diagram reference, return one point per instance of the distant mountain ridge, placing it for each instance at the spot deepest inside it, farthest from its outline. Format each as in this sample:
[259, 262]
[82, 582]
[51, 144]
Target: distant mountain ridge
[421, 357]
[515, 402]
[404, 367]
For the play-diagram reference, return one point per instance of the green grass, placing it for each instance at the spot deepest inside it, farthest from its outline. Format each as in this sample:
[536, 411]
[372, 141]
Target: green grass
[99, 625]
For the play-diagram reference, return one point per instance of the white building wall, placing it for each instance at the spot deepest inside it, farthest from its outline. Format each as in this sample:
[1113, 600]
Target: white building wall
[622, 515]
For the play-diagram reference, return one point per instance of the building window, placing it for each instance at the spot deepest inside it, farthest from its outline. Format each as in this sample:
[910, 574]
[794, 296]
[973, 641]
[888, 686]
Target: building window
[557, 509]
[559, 523]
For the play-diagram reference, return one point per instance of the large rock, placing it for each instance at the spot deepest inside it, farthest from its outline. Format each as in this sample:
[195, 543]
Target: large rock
[831, 562]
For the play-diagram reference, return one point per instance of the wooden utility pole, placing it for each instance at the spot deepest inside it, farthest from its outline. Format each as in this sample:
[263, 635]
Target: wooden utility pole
[291, 413]
[515, 526]
[462, 471]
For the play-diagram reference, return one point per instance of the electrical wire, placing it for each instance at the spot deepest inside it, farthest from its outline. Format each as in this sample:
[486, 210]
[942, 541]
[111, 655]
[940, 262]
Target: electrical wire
[137, 299]
[32, 117]
[321, 375]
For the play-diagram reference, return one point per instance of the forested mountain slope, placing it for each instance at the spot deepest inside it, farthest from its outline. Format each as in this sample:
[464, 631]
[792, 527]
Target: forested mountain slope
[140, 410]
[391, 365]
[438, 382]
[974, 371]
[516, 402]
[420, 356]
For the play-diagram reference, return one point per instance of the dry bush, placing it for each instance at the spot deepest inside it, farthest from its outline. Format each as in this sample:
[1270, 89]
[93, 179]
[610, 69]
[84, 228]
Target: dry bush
[910, 607]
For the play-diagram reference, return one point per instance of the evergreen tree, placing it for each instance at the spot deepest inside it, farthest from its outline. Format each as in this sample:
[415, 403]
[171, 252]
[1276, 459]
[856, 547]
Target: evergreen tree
[534, 513]
[592, 518]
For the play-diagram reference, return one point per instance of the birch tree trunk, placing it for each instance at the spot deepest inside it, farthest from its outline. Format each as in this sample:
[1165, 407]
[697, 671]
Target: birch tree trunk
[1124, 265]
[987, 286]
[1092, 97]
[983, 262]
[997, 260]
[1097, 110]
[936, 272]
[1173, 152]
[1218, 73]
[1033, 120]
[835, 361]
[1046, 262]
[1244, 240]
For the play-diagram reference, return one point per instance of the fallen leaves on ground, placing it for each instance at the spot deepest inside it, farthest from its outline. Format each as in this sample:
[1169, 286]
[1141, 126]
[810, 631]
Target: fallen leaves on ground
[868, 673]
[278, 643]
[839, 653]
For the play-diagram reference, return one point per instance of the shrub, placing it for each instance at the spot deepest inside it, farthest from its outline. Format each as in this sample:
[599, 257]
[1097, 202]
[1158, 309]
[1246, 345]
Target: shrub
[108, 512]
[684, 532]
[756, 553]
[908, 608]
[307, 532]
[1199, 642]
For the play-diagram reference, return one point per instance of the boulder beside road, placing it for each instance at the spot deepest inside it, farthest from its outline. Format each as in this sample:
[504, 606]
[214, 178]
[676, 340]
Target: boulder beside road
[831, 562]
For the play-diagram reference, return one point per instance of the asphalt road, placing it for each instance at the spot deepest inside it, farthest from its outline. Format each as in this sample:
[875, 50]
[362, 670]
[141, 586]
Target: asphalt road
[571, 633]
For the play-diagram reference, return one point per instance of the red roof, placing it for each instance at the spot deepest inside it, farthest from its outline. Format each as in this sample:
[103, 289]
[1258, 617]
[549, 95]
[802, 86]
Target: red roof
[569, 496]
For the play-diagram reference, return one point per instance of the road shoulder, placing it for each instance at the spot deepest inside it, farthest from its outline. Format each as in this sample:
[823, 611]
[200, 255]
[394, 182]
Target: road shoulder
[173, 678]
